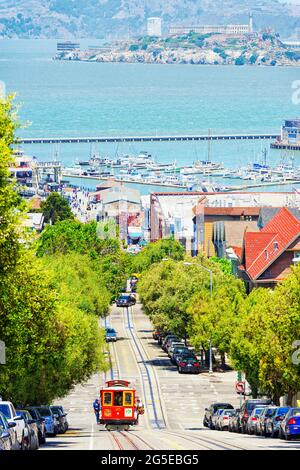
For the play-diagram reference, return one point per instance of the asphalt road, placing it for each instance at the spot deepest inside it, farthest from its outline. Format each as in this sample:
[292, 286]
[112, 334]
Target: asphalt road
[174, 403]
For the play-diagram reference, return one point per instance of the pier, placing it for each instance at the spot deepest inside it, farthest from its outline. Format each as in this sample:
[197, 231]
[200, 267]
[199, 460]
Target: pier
[149, 138]
[285, 146]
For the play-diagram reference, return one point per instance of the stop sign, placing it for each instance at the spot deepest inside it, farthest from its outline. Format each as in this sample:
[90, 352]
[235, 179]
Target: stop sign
[240, 387]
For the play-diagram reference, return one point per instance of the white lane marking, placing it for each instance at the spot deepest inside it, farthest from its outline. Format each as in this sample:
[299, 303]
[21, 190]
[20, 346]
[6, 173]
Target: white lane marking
[92, 438]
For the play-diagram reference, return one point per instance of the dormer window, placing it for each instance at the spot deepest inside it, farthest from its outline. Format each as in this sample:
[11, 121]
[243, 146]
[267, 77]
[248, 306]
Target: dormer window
[266, 254]
[276, 246]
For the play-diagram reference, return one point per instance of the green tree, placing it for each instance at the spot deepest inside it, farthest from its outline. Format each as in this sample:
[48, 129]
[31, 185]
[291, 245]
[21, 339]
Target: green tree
[56, 208]
[155, 252]
[72, 236]
[11, 205]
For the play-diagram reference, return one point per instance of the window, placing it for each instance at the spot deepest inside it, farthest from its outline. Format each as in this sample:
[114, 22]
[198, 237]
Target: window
[107, 398]
[5, 410]
[128, 399]
[118, 398]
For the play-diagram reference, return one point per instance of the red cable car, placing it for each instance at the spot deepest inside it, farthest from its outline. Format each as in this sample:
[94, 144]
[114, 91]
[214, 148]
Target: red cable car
[118, 405]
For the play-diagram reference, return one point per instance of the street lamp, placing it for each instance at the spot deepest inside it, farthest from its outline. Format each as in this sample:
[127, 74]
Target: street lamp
[210, 288]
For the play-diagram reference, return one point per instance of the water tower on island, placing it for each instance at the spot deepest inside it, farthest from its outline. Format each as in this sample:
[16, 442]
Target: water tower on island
[154, 26]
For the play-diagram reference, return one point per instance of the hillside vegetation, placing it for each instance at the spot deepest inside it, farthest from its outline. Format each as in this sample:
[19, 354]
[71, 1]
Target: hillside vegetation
[117, 18]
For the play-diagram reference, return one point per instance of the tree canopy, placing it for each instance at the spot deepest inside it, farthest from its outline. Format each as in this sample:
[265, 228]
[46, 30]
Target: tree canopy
[56, 208]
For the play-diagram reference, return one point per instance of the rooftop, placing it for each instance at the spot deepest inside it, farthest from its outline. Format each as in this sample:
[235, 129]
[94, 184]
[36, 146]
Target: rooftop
[262, 248]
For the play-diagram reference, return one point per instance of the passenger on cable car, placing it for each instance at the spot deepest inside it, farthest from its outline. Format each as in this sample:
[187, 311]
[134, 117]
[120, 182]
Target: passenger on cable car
[118, 397]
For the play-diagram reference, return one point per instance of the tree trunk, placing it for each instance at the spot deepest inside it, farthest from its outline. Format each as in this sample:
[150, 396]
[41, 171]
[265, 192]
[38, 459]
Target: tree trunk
[276, 399]
[290, 396]
[223, 360]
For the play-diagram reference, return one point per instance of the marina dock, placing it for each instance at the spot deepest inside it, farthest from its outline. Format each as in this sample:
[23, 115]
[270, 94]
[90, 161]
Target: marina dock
[123, 180]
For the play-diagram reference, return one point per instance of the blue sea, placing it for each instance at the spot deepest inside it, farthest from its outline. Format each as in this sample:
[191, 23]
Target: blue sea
[91, 99]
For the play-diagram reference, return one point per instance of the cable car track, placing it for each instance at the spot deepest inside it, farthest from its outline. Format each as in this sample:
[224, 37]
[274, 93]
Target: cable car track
[146, 366]
[196, 439]
[129, 439]
[199, 440]
[147, 380]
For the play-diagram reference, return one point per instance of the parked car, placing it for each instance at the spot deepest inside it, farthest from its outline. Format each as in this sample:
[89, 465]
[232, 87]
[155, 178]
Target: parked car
[233, 425]
[125, 300]
[8, 409]
[66, 414]
[215, 418]
[253, 419]
[162, 336]
[178, 351]
[172, 345]
[209, 412]
[8, 440]
[51, 422]
[110, 334]
[61, 416]
[290, 425]
[261, 422]
[40, 422]
[273, 422]
[247, 408]
[184, 356]
[222, 420]
[167, 339]
[156, 334]
[189, 365]
[32, 434]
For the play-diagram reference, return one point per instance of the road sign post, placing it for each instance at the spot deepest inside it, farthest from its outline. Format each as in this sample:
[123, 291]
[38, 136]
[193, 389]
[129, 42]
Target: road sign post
[240, 389]
[2, 352]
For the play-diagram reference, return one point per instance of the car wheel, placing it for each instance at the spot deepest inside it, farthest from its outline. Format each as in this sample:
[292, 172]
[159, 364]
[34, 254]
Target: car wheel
[211, 426]
[205, 423]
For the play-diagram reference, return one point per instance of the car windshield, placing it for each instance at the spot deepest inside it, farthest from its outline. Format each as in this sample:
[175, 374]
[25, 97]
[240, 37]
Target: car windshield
[251, 405]
[110, 330]
[180, 350]
[5, 410]
[33, 414]
[56, 410]
[269, 412]
[282, 411]
[124, 297]
[223, 406]
[258, 411]
[45, 411]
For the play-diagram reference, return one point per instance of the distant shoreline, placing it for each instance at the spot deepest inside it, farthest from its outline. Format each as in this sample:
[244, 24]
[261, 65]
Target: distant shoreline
[90, 61]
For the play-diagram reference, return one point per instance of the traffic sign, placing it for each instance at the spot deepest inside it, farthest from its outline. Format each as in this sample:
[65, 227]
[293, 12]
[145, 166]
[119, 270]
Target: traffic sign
[240, 387]
[2, 352]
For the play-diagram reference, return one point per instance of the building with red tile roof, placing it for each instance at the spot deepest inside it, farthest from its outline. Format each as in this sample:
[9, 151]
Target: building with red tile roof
[267, 256]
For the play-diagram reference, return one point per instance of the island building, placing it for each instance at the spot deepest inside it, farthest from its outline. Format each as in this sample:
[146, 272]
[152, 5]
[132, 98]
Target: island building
[67, 46]
[228, 30]
[154, 26]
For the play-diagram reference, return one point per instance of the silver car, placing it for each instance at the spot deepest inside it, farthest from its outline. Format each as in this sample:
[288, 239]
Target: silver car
[215, 417]
[263, 417]
[273, 422]
[222, 420]
[253, 419]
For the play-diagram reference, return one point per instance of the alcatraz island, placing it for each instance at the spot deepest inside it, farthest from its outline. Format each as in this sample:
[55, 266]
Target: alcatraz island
[221, 46]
